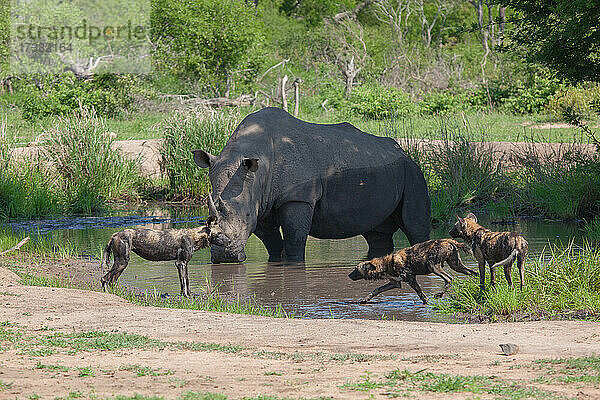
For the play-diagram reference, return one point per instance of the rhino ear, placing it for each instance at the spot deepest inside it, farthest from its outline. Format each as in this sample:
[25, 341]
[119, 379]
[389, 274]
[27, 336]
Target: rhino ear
[203, 159]
[250, 164]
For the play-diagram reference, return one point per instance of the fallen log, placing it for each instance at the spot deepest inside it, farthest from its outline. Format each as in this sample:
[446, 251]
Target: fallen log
[16, 247]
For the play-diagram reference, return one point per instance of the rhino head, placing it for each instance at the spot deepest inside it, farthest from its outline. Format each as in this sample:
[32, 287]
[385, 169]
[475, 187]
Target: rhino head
[234, 200]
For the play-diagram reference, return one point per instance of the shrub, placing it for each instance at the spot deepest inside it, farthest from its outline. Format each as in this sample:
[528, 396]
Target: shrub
[206, 40]
[90, 170]
[26, 189]
[379, 102]
[441, 102]
[580, 100]
[110, 95]
[533, 96]
[187, 132]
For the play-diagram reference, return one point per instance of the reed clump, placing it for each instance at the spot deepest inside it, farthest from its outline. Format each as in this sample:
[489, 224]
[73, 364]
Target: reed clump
[90, 171]
[463, 170]
[561, 282]
[185, 132]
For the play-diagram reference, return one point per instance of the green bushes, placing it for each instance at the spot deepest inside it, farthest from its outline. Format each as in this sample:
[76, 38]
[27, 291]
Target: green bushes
[378, 102]
[579, 100]
[77, 171]
[187, 132]
[89, 169]
[110, 95]
[566, 282]
[206, 41]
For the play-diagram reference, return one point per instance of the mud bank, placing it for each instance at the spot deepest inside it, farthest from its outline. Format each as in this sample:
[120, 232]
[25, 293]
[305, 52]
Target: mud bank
[76, 341]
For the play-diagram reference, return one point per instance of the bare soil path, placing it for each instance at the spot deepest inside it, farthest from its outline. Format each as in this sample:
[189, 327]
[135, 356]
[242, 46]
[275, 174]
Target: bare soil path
[42, 352]
[149, 150]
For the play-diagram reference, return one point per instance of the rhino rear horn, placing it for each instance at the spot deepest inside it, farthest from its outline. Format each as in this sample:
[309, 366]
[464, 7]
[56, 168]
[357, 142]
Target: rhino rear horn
[203, 159]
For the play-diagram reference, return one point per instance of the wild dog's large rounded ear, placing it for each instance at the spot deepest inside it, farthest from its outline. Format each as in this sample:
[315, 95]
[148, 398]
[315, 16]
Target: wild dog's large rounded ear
[460, 220]
[370, 267]
[203, 159]
[250, 164]
[211, 220]
[472, 217]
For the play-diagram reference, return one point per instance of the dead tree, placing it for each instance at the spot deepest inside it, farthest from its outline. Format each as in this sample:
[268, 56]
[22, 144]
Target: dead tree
[296, 84]
[350, 48]
[396, 14]
[428, 23]
[83, 69]
[284, 103]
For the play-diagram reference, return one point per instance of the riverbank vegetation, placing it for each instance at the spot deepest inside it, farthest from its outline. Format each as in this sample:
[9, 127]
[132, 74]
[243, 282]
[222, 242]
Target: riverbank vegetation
[423, 70]
[42, 262]
[562, 282]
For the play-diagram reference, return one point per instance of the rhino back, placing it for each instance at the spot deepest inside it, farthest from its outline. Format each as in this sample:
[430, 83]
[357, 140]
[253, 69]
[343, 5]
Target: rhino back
[353, 179]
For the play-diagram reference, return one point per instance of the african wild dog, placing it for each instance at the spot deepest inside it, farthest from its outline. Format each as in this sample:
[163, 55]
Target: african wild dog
[160, 245]
[421, 259]
[497, 248]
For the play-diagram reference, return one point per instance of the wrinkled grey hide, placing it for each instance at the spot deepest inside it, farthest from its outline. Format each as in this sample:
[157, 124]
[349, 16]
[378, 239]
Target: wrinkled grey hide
[327, 181]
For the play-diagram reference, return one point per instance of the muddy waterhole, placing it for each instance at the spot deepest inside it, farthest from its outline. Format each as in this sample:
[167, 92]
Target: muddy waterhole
[319, 289]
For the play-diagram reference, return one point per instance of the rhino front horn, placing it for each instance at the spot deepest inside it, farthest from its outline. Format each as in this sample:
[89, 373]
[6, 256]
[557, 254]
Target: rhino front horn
[212, 209]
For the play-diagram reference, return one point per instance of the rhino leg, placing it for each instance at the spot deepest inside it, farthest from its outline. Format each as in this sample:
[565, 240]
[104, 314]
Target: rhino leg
[295, 218]
[271, 238]
[380, 243]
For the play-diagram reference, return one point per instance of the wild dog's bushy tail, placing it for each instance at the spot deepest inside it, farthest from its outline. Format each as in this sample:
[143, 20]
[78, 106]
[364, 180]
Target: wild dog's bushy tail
[507, 260]
[463, 246]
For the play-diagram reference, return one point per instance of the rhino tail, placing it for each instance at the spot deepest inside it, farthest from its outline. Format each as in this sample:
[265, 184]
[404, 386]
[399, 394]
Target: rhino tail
[415, 205]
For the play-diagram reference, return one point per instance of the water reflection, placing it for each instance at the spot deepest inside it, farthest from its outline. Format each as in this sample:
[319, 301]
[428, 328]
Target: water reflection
[318, 289]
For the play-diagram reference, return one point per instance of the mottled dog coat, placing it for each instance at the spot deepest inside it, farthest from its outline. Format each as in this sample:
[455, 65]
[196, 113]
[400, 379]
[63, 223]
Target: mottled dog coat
[421, 259]
[496, 248]
[160, 245]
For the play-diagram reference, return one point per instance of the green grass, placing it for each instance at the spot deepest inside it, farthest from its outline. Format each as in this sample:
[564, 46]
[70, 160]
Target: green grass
[50, 367]
[399, 383]
[145, 371]
[137, 125]
[566, 283]
[592, 230]
[40, 345]
[584, 370]
[91, 172]
[184, 133]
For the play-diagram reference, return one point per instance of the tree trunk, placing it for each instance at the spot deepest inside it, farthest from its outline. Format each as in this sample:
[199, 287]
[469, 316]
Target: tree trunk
[296, 96]
[284, 103]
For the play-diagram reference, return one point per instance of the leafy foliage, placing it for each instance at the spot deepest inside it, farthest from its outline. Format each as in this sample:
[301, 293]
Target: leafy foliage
[563, 34]
[206, 40]
[109, 95]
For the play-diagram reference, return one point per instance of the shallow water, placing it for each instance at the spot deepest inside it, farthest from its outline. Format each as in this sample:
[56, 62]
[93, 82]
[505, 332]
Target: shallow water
[319, 289]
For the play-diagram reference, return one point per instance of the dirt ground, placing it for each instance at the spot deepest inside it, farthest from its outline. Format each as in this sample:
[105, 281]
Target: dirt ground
[242, 355]
[504, 152]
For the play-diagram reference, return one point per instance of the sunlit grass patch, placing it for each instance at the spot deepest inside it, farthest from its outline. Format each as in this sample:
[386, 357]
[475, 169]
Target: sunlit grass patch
[211, 300]
[399, 383]
[559, 282]
[570, 370]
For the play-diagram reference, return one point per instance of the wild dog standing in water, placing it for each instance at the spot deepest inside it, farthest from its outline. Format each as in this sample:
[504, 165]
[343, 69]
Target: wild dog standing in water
[160, 245]
[421, 259]
[499, 249]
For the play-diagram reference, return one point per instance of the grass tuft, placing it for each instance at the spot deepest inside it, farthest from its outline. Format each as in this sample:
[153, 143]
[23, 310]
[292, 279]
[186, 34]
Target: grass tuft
[564, 282]
[187, 132]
